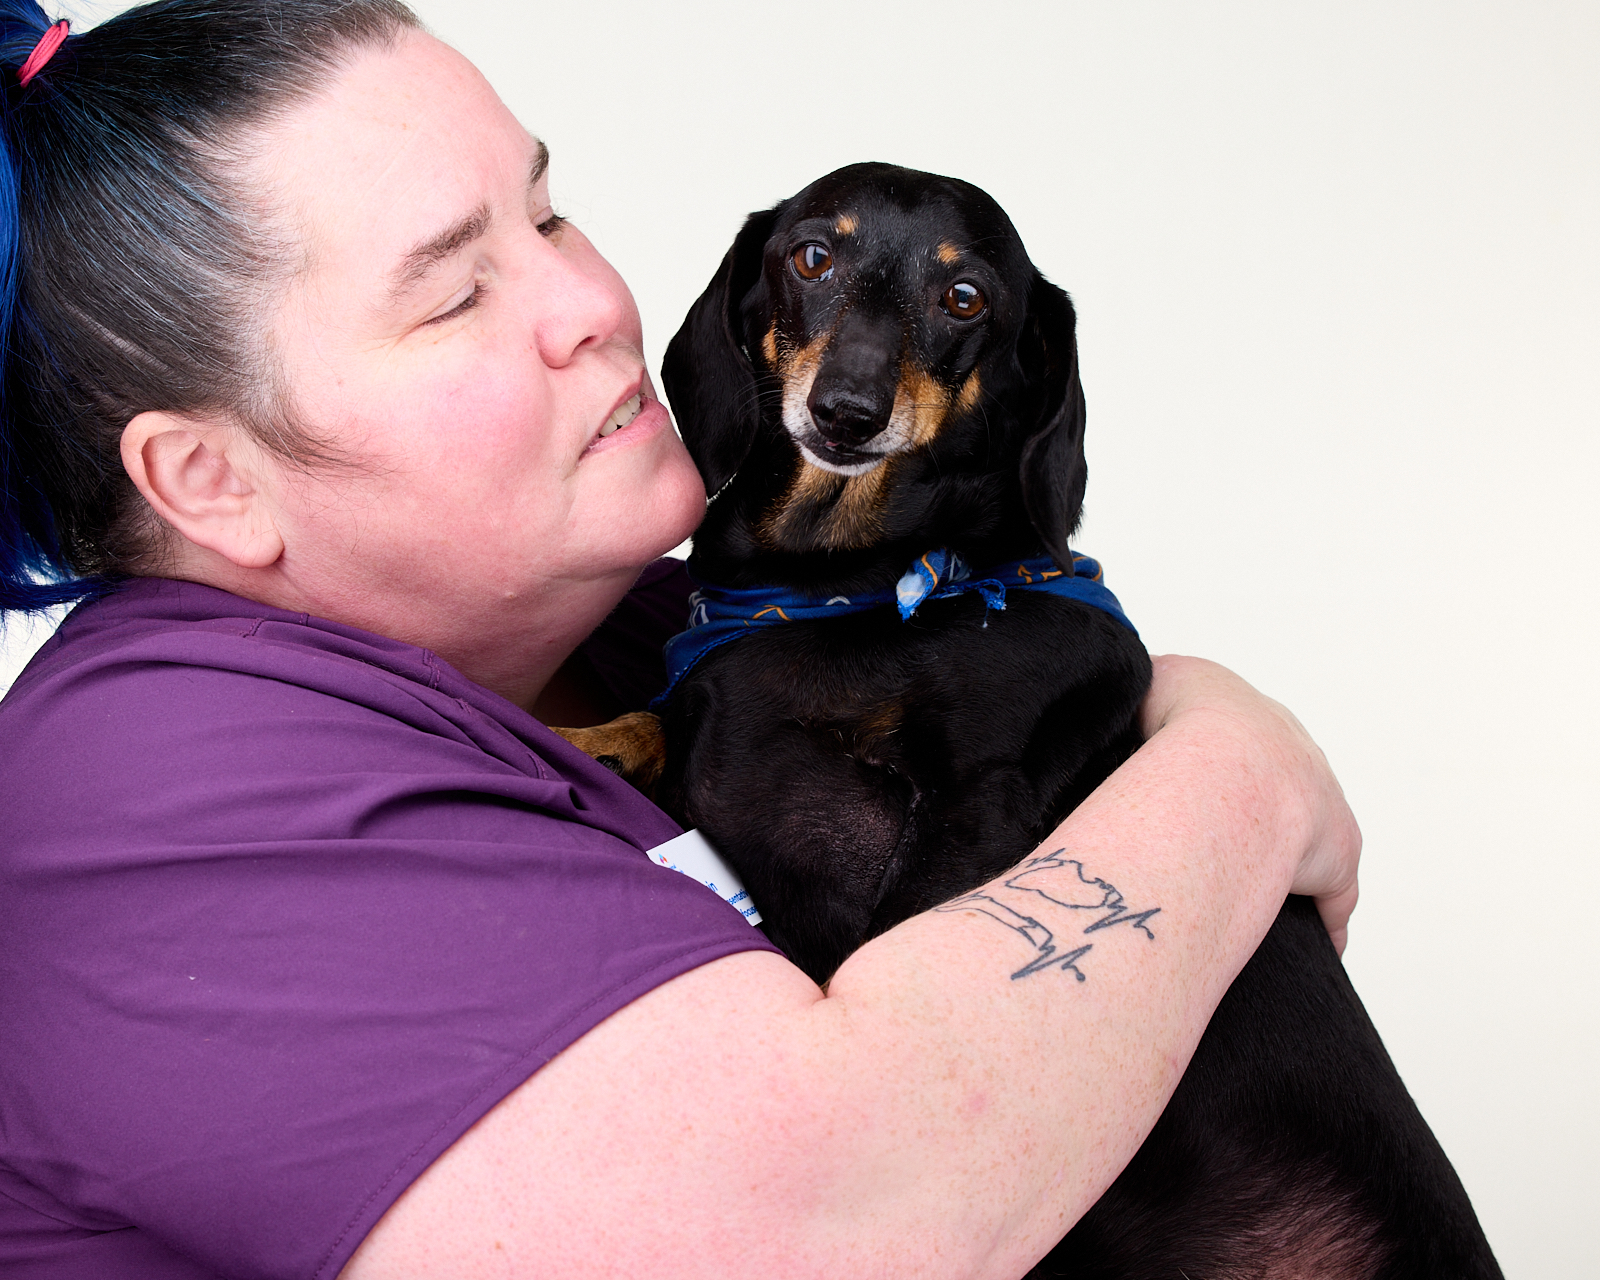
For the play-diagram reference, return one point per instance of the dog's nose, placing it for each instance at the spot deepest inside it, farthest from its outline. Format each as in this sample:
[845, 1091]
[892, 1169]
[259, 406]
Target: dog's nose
[848, 414]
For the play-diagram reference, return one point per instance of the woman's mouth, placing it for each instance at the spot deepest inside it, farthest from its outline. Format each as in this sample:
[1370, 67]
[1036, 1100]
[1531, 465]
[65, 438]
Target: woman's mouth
[624, 413]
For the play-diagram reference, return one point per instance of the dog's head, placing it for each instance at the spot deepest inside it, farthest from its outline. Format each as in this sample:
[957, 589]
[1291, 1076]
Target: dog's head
[882, 346]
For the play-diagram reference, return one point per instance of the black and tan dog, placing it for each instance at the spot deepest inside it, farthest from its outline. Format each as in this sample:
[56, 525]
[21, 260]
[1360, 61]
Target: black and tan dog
[880, 388]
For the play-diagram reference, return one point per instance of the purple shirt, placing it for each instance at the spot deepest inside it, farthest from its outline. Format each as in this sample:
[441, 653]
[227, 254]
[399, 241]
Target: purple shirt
[285, 907]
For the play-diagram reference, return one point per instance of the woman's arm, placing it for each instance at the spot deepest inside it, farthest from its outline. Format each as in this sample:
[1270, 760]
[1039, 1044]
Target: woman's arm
[969, 1085]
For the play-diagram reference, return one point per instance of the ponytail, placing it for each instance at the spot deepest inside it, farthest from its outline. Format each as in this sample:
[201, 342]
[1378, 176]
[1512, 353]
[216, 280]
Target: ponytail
[133, 264]
[33, 572]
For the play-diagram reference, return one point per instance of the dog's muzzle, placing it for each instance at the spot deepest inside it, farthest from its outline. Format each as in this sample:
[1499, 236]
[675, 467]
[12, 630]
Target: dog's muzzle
[842, 410]
[847, 417]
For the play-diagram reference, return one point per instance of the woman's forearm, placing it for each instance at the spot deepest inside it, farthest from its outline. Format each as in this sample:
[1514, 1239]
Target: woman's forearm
[1052, 1012]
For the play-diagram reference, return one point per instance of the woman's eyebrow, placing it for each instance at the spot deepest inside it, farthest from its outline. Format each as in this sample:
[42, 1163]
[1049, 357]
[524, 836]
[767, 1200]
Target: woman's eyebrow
[541, 162]
[434, 250]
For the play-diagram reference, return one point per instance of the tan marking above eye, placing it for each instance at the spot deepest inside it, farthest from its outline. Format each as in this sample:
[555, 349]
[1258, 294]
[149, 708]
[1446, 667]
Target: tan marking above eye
[948, 253]
[846, 224]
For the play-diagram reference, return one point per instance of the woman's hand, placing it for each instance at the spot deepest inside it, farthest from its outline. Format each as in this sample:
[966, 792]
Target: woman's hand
[1194, 689]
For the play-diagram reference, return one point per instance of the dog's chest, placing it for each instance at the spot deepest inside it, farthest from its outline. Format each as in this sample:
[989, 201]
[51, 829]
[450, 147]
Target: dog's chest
[958, 683]
[860, 769]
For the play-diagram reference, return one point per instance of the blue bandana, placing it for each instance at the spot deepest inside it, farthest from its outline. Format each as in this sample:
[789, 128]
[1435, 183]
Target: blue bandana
[719, 614]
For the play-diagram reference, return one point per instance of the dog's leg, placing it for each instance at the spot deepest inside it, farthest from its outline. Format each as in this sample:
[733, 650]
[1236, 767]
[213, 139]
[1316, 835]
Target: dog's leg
[631, 746]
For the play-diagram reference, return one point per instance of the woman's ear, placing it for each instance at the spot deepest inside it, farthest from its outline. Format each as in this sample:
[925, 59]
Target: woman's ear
[207, 481]
[707, 372]
[1053, 471]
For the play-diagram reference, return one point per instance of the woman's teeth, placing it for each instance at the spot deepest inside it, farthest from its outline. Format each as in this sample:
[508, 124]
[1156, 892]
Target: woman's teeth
[626, 413]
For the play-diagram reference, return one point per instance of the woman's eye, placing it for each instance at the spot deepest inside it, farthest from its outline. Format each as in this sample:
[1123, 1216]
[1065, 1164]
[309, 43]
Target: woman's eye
[551, 225]
[466, 304]
[964, 301]
[812, 262]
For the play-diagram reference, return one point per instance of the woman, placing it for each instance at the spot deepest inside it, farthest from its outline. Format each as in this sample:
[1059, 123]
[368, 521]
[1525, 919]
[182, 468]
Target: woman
[321, 956]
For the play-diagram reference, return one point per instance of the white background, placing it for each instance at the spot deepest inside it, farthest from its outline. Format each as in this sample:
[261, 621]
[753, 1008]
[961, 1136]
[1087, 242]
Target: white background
[1338, 274]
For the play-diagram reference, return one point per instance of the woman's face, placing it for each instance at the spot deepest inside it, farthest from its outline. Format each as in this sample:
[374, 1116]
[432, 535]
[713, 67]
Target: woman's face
[471, 353]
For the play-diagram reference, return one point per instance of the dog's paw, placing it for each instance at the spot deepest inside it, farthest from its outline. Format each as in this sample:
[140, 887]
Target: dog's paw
[631, 746]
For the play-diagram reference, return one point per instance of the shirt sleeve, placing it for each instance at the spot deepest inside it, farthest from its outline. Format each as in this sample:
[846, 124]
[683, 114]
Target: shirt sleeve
[269, 946]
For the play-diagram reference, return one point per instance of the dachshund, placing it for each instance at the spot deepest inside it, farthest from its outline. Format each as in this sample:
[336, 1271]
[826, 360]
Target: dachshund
[900, 678]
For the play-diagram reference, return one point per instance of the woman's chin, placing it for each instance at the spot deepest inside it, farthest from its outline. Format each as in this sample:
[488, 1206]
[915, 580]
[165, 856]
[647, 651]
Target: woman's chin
[679, 498]
[645, 526]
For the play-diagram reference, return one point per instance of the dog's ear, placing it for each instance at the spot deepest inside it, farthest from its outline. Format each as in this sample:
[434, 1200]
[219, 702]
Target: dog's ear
[1053, 469]
[707, 372]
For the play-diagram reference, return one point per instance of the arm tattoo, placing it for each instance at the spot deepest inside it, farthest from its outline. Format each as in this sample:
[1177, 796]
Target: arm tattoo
[1062, 882]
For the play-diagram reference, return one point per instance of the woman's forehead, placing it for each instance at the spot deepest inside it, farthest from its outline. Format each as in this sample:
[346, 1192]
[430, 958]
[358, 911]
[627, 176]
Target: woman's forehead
[401, 150]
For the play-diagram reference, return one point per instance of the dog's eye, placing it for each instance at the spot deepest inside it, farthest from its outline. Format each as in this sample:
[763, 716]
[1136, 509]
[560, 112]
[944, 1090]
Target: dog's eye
[812, 262]
[965, 301]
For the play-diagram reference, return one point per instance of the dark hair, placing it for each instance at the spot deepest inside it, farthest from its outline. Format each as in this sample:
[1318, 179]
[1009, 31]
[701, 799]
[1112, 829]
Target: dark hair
[132, 265]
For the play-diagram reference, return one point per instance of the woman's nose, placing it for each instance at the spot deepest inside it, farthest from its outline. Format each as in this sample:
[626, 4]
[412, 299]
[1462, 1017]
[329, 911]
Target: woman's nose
[579, 304]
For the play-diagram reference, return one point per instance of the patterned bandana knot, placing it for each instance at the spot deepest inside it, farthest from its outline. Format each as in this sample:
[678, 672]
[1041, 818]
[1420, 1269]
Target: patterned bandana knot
[943, 573]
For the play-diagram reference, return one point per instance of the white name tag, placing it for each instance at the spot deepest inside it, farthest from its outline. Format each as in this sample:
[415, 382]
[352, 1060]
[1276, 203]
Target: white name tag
[691, 854]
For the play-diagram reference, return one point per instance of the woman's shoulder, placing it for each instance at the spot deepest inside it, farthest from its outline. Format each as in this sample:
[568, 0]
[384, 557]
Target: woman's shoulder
[148, 619]
[161, 661]
[174, 691]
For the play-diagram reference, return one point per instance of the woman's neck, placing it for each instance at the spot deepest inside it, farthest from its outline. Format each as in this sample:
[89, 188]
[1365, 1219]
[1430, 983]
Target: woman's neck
[512, 644]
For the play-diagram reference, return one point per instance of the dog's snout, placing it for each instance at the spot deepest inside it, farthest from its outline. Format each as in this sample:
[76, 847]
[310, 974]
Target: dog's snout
[853, 393]
[849, 414]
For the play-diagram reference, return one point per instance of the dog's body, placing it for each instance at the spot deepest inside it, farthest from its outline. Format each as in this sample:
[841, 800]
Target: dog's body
[876, 373]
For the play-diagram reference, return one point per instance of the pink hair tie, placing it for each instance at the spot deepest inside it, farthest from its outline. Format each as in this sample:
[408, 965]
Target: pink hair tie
[49, 42]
